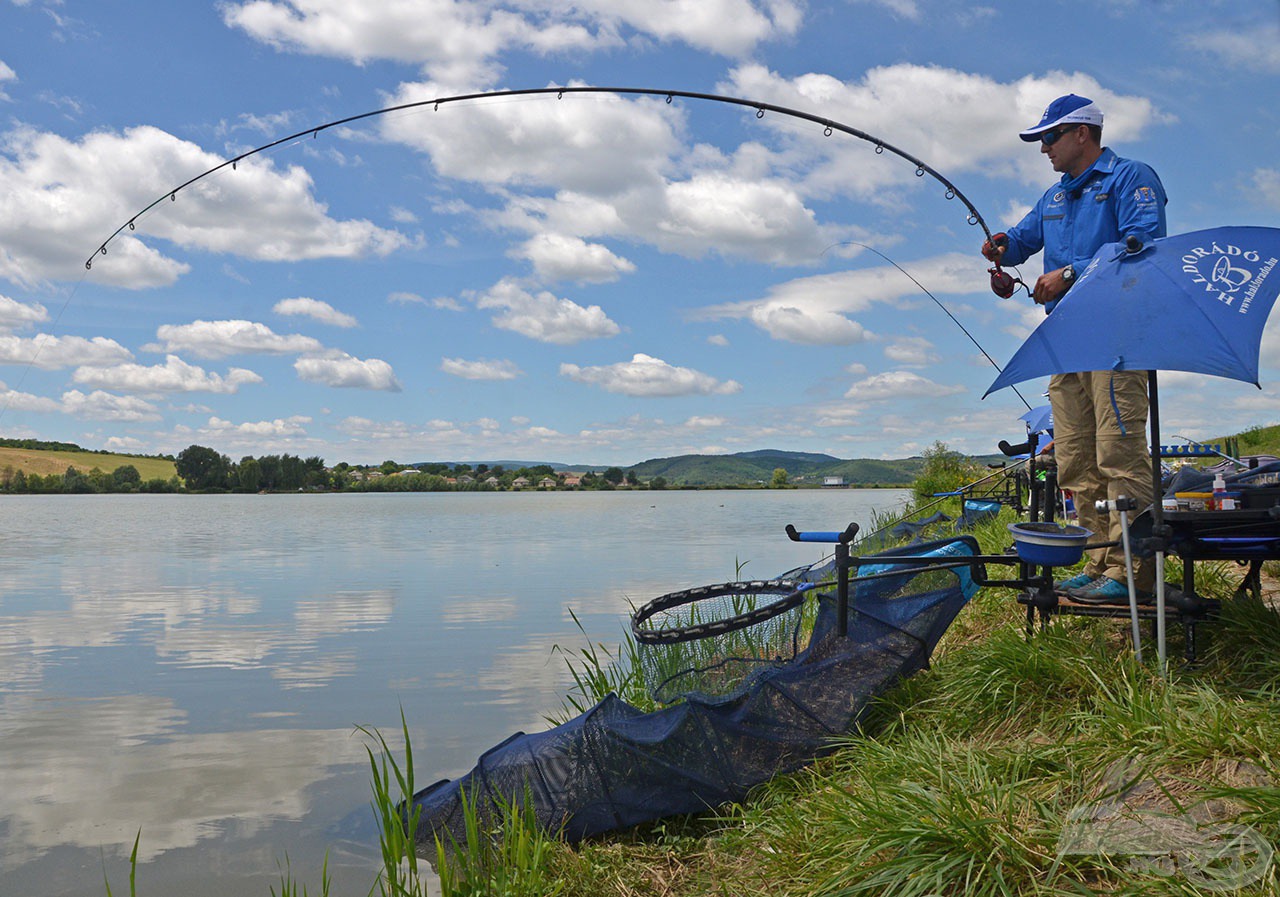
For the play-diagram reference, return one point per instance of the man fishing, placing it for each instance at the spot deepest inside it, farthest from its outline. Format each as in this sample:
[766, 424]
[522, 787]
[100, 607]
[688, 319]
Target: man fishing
[1099, 417]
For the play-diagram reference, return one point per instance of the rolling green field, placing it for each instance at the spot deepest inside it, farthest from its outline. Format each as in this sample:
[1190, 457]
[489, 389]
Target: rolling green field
[47, 462]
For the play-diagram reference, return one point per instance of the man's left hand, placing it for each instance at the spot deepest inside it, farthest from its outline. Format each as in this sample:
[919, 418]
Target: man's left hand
[1049, 286]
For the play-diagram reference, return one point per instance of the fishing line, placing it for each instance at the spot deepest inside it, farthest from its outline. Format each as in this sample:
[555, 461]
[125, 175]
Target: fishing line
[937, 302]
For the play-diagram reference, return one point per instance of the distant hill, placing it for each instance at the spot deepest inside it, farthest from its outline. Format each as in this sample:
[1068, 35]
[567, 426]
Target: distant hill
[746, 468]
[783, 458]
[45, 462]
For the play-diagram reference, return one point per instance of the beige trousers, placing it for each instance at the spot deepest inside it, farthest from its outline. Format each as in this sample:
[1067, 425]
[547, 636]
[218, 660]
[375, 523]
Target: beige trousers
[1102, 457]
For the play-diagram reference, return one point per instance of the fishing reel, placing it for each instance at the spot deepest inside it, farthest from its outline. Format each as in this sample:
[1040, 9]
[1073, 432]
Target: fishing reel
[1003, 284]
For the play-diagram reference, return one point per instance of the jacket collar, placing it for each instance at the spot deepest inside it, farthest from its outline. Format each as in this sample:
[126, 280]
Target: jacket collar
[1102, 166]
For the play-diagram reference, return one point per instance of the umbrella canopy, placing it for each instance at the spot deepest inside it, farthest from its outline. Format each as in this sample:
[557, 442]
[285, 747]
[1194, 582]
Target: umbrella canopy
[1191, 302]
[1038, 419]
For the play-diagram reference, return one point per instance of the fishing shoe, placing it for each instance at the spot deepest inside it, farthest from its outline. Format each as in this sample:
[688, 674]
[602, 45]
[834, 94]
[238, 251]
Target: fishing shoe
[1079, 581]
[1105, 590]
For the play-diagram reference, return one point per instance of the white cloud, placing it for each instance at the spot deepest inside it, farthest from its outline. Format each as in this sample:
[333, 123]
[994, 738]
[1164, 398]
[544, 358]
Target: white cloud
[218, 339]
[12, 400]
[646, 376]
[898, 385]
[128, 444]
[1256, 48]
[765, 220]
[913, 350]
[544, 317]
[6, 75]
[338, 369]
[728, 27]
[705, 422]
[481, 369]
[462, 41]
[175, 375]
[558, 257]
[15, 314]
[99, 405]
[907, 9]
[812, 310]
[811, 327]
[718, 339]
[61, 194]
[619, 169]
[959, 121]
[1266, 186]
[51, 353]
[293, 426]
[598, 144]
[314, 308]
[401, 297]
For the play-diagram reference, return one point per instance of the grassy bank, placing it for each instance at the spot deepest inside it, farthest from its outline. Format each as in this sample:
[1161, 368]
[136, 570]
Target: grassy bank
[999, 771]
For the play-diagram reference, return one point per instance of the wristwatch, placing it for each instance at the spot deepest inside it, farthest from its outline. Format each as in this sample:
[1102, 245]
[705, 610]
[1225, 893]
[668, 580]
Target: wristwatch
[1068, 274]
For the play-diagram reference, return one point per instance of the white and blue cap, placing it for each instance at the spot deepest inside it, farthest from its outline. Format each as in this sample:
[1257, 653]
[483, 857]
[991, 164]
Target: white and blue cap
[1068, 110]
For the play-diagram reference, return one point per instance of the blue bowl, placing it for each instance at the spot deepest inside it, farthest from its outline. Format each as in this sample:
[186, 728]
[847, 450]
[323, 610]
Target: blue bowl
[1049, 544]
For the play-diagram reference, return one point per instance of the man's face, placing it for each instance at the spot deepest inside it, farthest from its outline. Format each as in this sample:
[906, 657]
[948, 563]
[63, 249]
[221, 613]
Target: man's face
[1068, 151]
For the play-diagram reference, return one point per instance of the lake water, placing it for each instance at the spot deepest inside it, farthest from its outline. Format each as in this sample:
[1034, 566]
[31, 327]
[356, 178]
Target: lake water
[193, 667]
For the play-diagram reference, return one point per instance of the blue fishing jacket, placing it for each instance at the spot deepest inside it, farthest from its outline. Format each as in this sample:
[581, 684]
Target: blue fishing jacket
[1115, 198]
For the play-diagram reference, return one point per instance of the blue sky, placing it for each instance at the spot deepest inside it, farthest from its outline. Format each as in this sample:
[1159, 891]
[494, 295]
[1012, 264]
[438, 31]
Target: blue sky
[592, 279]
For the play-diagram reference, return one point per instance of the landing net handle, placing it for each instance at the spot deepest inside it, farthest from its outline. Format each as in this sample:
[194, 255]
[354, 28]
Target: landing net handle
[791, 595]
[841, 540]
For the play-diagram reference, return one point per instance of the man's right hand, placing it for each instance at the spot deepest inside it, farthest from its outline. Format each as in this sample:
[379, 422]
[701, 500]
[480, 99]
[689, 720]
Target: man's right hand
[994, 248]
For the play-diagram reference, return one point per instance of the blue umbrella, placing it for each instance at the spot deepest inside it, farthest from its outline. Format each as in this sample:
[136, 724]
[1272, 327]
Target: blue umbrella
[1039, 419]
[1192, 302]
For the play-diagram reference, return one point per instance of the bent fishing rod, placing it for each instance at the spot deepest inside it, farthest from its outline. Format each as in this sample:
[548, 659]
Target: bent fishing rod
[1001, 282]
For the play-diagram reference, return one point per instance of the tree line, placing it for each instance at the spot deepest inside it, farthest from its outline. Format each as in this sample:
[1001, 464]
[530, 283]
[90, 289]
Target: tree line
[203, 469]
[124, 478]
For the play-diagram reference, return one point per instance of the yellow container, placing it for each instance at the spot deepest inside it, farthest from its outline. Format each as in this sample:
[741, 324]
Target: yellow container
[1196, 501]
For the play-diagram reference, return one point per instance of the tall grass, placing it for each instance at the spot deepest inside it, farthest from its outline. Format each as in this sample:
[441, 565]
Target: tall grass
[396, 815]
[505, 853]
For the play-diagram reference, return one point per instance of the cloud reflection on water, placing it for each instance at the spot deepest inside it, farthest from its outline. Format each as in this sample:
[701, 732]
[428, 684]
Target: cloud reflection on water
[91, 773]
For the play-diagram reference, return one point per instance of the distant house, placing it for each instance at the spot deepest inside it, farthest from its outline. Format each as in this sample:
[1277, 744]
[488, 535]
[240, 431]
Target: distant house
[547, 483]
[520, 483]
[572, 479]
[835, 482]
[493, 481]
[464, 479]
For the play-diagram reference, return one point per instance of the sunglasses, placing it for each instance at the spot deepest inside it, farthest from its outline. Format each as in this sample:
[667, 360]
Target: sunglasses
[1049, 138]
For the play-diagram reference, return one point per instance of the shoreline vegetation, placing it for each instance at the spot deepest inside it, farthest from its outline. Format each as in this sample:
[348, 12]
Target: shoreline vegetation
[49, 468]
[1050, 766]
[31, 467]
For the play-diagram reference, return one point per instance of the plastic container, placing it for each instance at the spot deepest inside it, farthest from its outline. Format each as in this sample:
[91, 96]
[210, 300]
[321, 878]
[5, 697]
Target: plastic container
[1049, 544]
[1196, 501]
[1219, 501]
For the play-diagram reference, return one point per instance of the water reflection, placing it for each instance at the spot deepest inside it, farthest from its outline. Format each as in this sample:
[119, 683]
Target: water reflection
[194, 667]
[90, 773]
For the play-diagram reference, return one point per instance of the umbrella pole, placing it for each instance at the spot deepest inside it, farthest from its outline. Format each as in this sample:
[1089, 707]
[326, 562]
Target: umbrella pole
[1157, 516]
